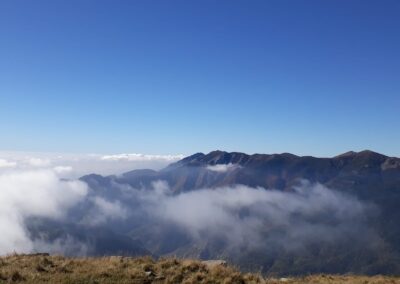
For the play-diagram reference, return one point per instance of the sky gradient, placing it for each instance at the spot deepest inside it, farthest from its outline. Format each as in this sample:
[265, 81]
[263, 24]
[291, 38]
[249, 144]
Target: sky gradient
[178, 77]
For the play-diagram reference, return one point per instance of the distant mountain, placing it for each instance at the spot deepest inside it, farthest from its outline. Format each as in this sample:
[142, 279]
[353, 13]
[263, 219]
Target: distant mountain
[360, 237]
[355, 172]
[369, 176]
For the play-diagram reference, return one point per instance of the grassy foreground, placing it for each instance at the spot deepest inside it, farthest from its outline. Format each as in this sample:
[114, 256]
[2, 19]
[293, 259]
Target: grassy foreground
[56, 269]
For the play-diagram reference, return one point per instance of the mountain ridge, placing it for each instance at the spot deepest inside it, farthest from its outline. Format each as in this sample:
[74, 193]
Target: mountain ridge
[367, 180]
[278, 171]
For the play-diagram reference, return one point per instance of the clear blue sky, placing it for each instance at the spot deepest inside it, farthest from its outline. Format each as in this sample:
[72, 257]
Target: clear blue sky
[307, 77]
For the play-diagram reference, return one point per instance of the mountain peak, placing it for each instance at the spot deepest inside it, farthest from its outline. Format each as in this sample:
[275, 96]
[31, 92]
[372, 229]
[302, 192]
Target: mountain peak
[370, 153]
[361, 154]
[347, 154]
[195, 158]
[222, 157]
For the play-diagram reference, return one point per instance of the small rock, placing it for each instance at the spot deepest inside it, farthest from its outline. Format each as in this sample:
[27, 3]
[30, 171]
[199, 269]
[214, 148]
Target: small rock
[150, 273]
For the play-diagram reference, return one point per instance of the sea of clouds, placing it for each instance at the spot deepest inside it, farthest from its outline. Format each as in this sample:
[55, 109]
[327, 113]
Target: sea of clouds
[77, 165]
[46, 186]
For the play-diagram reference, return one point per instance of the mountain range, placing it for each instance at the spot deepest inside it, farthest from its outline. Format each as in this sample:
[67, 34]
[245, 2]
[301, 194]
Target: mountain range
[348, 171]
[303, 214]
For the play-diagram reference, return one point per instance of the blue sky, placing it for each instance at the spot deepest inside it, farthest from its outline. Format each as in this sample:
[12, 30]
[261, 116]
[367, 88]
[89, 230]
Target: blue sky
[166, 77]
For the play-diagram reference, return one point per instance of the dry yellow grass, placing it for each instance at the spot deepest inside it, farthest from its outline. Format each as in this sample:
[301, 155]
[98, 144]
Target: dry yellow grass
[57, 269]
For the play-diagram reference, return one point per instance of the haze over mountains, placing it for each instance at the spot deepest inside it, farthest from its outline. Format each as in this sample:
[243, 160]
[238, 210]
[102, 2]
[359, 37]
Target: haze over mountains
[279, 214]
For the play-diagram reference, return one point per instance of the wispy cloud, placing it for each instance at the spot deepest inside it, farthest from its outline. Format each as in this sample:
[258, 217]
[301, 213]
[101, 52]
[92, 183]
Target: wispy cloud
[141, 157]
[222, 168]
[104, 210]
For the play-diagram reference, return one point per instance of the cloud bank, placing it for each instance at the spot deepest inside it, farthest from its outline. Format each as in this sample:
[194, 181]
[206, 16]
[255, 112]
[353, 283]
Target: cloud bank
[243, 216]
[25, 194]
[237, 218]
[77, 165]
[141, 157]
[6, 164]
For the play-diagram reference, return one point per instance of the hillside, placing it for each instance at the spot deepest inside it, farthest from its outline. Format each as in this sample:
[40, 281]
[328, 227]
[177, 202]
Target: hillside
[56, 269]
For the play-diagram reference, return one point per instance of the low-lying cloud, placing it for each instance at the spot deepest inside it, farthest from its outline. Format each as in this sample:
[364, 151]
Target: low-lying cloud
[222, 168]
[141, 157]
[33, 193]
[241, 217]
[245, 216]
[105, 210]
[77, 165]
[6, 164]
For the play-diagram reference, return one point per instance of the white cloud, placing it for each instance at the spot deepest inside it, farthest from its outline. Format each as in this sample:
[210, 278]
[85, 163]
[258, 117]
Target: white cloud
[141, 157]
[77, 165]
[63, 169]
[106, 210]
[25, 194]
[242, 215]
[6, 164]
[38, 162]
[62, 246]
[160, 186]
[222, 168]
[239, 214]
